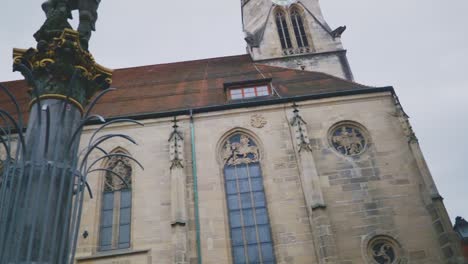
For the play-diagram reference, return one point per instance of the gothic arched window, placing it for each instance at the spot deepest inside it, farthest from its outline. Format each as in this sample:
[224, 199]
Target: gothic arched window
[116, 205]
[299, 30]
[249, 223]
[283, 30]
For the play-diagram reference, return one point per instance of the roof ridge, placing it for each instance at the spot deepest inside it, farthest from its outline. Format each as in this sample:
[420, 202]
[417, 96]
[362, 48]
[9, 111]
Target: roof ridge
[317, 72]
[182, 62]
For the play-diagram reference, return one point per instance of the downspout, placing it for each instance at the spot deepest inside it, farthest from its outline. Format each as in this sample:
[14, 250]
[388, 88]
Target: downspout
[195, 188]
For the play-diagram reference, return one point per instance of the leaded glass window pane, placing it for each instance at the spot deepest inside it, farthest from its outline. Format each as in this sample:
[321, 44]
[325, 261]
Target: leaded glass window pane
[246, 202]
[233, 202]
[248, 217]
[108, 201]
[238, 253]
[107, 218]
[106, 238]
[235, 219]
[267, 252]
[124, 236]
[259, 199]
[251, 235]
[251, 238]
[264, 233]
[126, 199]
[244, 186]
[237, 238]
[254, 256]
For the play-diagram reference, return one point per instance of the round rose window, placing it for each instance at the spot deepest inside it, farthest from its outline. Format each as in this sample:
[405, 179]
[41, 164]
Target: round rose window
[348, 140]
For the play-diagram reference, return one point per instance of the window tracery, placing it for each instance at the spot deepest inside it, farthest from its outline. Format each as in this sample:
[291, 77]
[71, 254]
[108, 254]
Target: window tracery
[348, 139]
[383, 250]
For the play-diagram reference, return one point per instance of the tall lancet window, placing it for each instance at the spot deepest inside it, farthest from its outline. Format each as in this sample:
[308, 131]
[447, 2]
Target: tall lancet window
[249, 223]
[116, 205]
[298, 26]
[283, 31]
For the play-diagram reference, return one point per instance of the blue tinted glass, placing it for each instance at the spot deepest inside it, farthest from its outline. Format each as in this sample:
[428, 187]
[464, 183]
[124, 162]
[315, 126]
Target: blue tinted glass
[237, 239]
[125, 216]
[267, 252]
[244, 191]
[244, 185]
[257, 184]
[242, 171]
[124, 245]
[254, 170]
[231, 187]
[259, 199]
[233, 202]
[107, 218]
[229, 173]
[250, 235]
[248, 217]
[262, 217]
[105, 238]
[235, 219]
[124, 234]
[246, 201]
[125, 199]
[108, 201]
[264, 233]
[239, 255]
[252, 250]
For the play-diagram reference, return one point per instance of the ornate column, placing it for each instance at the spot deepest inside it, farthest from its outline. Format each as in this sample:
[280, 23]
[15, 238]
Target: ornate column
[320, 224]
[45, 176]
[448, 240]
[178, 196]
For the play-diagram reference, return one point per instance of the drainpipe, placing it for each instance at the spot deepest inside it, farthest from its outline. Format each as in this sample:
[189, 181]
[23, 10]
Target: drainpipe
[195, 188]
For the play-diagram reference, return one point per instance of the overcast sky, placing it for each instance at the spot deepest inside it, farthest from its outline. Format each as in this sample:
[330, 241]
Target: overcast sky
[418, 46]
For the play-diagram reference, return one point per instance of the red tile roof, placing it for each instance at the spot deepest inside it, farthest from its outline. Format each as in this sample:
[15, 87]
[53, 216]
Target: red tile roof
[194, 84]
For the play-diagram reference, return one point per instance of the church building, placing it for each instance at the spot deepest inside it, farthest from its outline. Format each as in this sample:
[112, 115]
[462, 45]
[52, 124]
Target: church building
[276, 156]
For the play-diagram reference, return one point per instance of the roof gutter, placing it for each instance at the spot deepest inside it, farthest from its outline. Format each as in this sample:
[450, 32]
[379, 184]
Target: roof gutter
[247, 104]
[255, 103]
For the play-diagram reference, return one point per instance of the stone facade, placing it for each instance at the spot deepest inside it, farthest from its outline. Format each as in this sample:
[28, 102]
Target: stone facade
[324, 207]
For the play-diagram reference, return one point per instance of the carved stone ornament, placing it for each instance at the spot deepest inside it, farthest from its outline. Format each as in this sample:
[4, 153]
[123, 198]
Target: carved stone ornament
[120, 166]
[348, 140]
[383, 250]
[300, 131]
[176, 147]
[258, 121]
[240, 149]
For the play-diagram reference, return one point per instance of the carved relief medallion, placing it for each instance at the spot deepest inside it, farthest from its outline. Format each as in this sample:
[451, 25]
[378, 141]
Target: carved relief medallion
[258, 121]
[348, 140]
[240, 149]
[383, 250]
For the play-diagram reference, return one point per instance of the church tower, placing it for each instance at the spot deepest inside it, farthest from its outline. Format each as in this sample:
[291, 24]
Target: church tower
[294, 34]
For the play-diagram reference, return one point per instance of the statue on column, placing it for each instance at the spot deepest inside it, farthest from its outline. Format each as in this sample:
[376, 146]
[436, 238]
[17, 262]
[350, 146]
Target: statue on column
[59, 11]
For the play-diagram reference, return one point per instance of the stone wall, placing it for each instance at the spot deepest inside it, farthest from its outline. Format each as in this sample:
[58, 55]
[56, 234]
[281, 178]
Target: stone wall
[379, 192]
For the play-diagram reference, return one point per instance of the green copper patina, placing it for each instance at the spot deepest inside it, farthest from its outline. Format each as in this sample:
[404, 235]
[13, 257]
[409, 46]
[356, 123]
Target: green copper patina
[61, 65]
